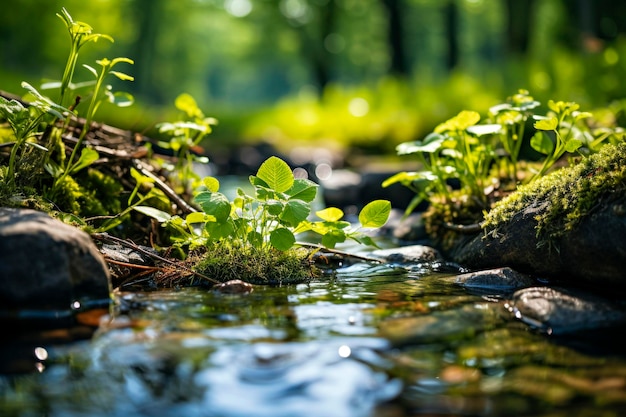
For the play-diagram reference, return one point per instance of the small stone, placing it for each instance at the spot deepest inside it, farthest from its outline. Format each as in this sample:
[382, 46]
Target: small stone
[234, 286]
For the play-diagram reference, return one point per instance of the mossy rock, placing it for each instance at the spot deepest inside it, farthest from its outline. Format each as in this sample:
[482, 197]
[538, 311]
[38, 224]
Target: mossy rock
[568, 226]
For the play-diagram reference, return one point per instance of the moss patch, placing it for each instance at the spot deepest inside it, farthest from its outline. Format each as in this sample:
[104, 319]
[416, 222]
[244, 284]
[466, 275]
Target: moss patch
[561, 199]
[223, 262]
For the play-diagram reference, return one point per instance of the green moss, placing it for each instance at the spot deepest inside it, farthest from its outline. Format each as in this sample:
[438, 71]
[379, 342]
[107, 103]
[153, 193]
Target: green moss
[223, 262]
[562, 198]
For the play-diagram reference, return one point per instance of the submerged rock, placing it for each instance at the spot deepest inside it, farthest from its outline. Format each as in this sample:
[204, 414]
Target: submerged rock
[47, 264]
[562, 311]
[501, 279]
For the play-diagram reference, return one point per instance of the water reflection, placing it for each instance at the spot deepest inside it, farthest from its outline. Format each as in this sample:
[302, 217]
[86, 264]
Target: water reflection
[364, 338]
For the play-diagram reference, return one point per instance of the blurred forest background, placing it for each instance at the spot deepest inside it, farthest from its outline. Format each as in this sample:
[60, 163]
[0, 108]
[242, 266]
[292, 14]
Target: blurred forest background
[342, 74]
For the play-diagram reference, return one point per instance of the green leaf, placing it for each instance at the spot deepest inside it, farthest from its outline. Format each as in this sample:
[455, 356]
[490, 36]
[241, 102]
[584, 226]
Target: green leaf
[282, 238]
[407, 178]
[431, 143]
[546, 124]
[303, 189]
[215, 204]
[157, 214]
[187, 103]
[333, 237]
[196, 217]
[219, 230]
[330, 214]
[277, 174]
[541, 143]
[375, 213]
[274, 207]
[295, 212]
[87, 157]
[572, 145]
[211, 183]
[461, 121]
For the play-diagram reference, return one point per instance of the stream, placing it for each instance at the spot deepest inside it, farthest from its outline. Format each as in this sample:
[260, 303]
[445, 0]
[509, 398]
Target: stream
[366, 339]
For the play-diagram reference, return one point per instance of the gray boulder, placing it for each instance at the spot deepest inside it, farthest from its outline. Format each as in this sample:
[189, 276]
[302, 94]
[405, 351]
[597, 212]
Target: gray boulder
[47, 264]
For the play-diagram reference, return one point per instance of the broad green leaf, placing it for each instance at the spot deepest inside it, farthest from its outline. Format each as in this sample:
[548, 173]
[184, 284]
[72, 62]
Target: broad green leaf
[542, 143]
[255, 238]
[87, 157]
[211, 183]
[215, 204]
[330, 214]
[461, 121]
[219, 230]
[572, 145]
[277, 174]
[196, 217]
[546, 124]
[157, 214]
[295, 212]
[282, 238]
[274, 207]
[303, 189]
[333, 237]
[375, 213]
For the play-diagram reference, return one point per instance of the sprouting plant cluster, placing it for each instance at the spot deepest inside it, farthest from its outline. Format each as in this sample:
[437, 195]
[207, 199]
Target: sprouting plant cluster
[464, 158]
[39, 161]
[269, 218]
[184, 136]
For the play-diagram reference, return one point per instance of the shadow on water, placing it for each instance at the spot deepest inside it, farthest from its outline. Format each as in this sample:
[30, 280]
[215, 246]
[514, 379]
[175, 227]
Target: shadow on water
[365, 340]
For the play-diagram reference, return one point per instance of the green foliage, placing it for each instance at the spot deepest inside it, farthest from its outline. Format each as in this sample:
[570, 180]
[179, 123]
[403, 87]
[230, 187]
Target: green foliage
[560, 199]
[483, 157]
[185, 135]
[42, 123]
[271, 218]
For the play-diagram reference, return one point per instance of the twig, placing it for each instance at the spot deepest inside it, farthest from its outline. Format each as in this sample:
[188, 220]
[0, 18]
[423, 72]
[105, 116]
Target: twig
[181, 203]
[129, 244]
[339, 252]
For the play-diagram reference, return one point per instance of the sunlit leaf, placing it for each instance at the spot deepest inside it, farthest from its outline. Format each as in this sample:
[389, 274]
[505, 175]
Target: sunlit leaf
[375, 213]
[295, 211]
[547, 124]
[461, 121]
[155, 213]
[276, 173]
[330, 214]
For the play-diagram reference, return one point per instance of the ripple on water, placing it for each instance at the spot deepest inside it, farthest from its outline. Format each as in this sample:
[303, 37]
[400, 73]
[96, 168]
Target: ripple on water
[300, 378]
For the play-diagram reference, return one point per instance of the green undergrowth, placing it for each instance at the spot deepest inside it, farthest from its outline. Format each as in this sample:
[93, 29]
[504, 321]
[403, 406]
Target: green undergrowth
[564, 197]
[224, 262]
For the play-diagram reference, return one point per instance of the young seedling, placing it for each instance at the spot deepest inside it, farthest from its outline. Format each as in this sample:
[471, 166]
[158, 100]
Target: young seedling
[269, 219]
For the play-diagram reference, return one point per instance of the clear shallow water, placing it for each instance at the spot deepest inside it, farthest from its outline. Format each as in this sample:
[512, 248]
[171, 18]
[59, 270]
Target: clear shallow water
[367, 340]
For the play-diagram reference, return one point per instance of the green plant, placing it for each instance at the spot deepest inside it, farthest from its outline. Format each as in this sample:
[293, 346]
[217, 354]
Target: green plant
[42, 124]
[271, 218]
[473, 153]
[185, 135]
